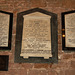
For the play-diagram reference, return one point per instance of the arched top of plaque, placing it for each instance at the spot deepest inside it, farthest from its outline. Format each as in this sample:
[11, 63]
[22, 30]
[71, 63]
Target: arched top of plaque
[36, 11]
[36, 36]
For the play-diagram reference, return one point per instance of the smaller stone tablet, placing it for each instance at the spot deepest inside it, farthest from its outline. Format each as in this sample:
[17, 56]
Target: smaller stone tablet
[5, 30]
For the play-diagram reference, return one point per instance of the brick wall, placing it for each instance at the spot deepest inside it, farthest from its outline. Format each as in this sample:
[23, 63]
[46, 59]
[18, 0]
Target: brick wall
[66, 62]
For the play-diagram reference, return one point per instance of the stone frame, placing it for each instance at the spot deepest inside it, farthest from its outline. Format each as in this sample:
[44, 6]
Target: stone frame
[63, 31]
[10, 31]
[54, 39]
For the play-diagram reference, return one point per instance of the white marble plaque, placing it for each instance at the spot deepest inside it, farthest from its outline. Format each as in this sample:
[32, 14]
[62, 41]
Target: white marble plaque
[4, 29]
[36, 36]
[70, 30]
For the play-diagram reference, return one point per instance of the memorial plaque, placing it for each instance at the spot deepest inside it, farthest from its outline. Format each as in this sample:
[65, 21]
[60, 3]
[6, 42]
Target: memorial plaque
[68, 30]
[5, 30]
[34, 36]
[4, 62]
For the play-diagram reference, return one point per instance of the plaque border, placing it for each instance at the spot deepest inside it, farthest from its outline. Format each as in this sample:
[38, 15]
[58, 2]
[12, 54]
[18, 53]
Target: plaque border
[64, 48]
[54, 38]
[6, 62]
[10, 31]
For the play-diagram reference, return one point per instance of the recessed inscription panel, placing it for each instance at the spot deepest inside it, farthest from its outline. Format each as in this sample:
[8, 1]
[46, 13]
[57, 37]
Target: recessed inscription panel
[4, 29]
[36, 37]
[70, 30]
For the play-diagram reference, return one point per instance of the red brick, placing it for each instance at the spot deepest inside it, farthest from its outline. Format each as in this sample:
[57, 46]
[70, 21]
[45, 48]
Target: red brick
[52, 72]
[68, 3]
[14, 66]
[14, 72]
[15, 14]
[19, 0]
[14, 25]
[15, 19]
[6, 4]
[13, 40]
[6, 9]
[21, 4]
[37, 72]
[61, 64]
[11, 58]
[70, 72]
[10, 2]
[59, 39]
[23, 72]
[38, 3]
[13, 49]
[50, 65]
[59, 25]
[18, 10]
[14, 30]
[2, 73]
[73, 64]
[2, 1]
[59, 31]
[62, 72]
[41, 65]
[54, 3]
[74, 55]
[67, 56]
[4, 53]
[26, 65]
[59, 47]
